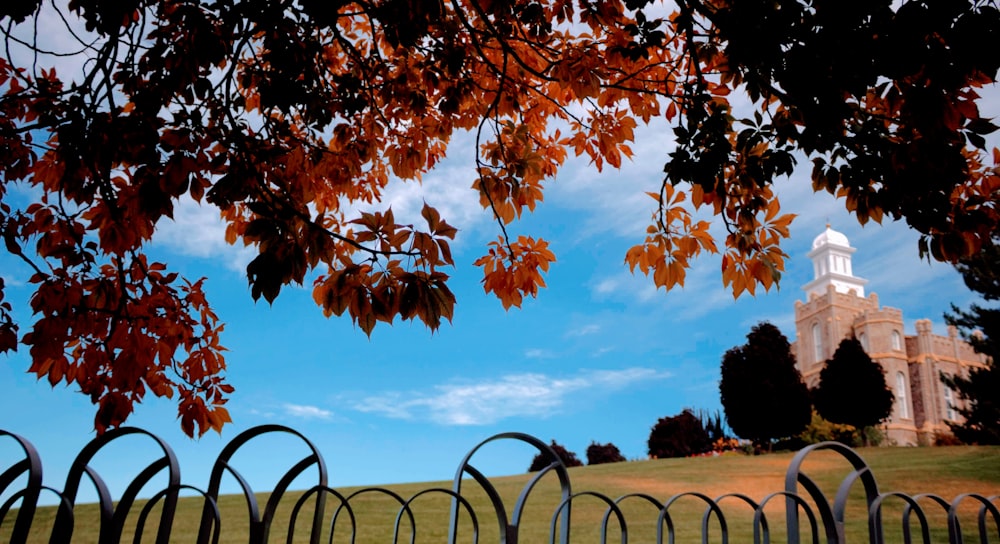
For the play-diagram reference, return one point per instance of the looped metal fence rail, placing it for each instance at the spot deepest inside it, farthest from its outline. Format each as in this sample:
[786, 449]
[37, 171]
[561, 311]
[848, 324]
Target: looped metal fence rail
[472, 510]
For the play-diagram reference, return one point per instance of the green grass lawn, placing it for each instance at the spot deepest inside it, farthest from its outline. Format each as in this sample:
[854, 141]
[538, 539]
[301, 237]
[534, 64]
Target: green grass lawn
[946, 471]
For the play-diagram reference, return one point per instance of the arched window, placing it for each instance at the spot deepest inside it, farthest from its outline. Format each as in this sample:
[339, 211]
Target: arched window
[903, 409]
[949, 404]
[817, 343]
[897, 341]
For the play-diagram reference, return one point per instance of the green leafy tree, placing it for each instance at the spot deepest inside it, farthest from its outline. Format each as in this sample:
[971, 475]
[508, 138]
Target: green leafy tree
[678, 436]
[852, 389]
[980, 326]
[762, 392]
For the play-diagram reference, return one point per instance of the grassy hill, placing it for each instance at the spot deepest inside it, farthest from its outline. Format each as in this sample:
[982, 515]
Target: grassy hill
[945, 471]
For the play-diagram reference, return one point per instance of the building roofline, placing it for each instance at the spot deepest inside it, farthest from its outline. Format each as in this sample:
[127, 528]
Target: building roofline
[827, 247]
[836, 276]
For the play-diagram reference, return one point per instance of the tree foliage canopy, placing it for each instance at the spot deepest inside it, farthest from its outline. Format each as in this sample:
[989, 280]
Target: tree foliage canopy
[852, 388]
[599, 454]
[284, 114]
[568, 458]
[682, 435]
[980, 326]
[762, 392]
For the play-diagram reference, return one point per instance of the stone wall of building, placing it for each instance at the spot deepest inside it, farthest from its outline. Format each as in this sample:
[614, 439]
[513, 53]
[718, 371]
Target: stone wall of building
[929, 356]
[833, 313]
[912, 364]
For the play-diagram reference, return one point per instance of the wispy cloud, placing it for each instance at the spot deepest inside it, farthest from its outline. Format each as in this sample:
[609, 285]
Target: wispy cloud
[515, 395]
[55, 33]
[615, 200]
[584, 330]
[11, 281]
[538, 353]
[625, 286]
[599, 352]
[303, 411]
[447, 188]
[198, 231]
[701, 295]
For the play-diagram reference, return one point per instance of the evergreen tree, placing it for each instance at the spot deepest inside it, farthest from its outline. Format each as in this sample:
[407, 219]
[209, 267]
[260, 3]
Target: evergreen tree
[852, 389]
[981, 389]
[713, 425]
[762, 392]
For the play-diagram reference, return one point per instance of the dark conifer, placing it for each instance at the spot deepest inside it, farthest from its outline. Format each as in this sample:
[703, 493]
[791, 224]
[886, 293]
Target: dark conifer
[980, 326]
[762, 392]
[852, 389]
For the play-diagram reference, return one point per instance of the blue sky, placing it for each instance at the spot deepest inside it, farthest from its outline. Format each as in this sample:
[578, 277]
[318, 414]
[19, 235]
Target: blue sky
[600, 355]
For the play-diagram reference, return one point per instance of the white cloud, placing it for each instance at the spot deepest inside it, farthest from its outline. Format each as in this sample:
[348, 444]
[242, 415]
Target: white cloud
[11, 281]
[628, 286]
[615, 199]
[198, 231]
[584, 330]
[701, 294]
[538, 353]
[267, 414]
[447, 188]
[606, 286]
[306, 412]
[897, 245]
[602, 351]
[51, 32]
[515, 395]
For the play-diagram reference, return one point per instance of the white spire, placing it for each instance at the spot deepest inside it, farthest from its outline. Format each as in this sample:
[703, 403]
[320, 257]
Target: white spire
[831, 257]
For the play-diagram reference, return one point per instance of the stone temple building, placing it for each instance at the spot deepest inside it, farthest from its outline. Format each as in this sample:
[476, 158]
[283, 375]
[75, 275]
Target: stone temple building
[836, 307]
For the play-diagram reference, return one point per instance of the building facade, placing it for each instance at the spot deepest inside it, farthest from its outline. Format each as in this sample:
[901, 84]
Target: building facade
[836, 308]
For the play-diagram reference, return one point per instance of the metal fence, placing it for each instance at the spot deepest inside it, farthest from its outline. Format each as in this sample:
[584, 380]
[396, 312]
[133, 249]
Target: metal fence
[322, 514]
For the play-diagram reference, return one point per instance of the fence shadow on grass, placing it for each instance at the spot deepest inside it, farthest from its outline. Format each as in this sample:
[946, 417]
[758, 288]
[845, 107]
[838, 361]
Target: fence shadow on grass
[473, 510]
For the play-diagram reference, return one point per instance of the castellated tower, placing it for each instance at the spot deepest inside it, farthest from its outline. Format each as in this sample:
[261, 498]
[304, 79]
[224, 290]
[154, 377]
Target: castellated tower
[836, 308]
